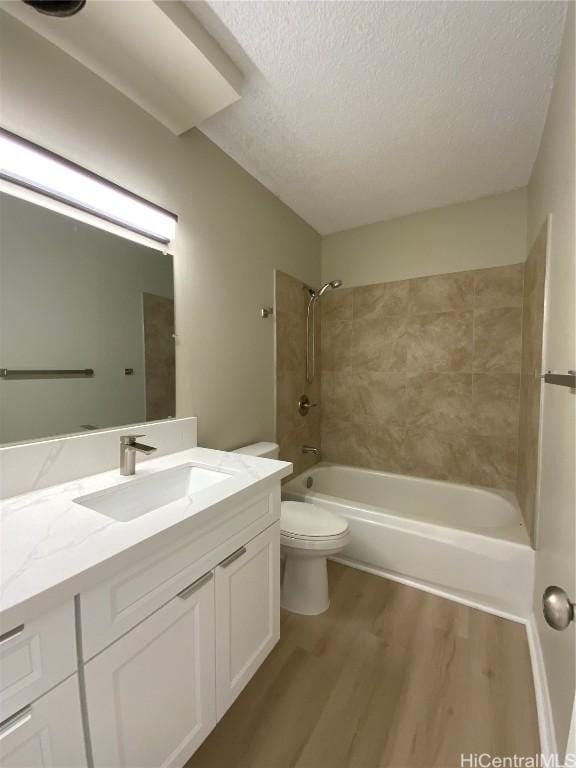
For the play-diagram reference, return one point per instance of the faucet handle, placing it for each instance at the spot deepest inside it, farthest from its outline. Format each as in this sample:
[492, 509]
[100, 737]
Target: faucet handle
[304, 405]
[130, 439]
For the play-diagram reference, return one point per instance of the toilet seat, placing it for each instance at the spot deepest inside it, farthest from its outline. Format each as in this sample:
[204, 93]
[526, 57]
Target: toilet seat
[308, 526]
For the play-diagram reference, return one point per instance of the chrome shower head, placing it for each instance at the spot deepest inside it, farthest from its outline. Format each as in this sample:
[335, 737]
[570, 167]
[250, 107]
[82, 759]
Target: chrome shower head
[331, 284]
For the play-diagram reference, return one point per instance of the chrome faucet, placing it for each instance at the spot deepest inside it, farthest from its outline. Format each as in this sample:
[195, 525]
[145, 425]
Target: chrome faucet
[128, 449]
[310, 449]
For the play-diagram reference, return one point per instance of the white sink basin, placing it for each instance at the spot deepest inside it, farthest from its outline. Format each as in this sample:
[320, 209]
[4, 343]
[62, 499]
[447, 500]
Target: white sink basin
[138, 497]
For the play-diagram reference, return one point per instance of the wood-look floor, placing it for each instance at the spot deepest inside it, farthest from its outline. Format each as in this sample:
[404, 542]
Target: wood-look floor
[388, 676]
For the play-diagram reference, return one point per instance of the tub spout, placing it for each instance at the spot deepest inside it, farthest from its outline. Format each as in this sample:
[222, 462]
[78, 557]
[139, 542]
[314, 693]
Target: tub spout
[310, 449]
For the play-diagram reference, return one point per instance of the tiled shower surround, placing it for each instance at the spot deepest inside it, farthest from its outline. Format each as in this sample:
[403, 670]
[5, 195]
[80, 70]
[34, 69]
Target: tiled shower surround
[293, 430]
[530, 385]
[422, 376]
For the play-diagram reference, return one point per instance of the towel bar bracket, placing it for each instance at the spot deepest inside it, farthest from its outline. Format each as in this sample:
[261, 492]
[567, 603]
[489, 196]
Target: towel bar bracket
[561, 379]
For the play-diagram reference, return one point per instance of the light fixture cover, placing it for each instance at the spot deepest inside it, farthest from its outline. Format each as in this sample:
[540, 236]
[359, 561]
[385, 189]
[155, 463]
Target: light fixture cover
[31, 166]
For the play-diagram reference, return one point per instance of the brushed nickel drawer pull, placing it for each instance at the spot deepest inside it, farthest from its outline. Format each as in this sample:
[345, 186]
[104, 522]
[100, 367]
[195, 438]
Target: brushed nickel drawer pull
[15, 721]
[195, 586]
[234, 556]
[12, 633]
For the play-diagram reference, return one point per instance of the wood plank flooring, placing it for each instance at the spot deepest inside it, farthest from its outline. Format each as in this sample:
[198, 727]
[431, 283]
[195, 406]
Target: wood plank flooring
[388, 677]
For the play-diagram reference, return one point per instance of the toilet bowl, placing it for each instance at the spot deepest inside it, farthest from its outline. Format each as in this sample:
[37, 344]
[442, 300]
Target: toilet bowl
[309, 535]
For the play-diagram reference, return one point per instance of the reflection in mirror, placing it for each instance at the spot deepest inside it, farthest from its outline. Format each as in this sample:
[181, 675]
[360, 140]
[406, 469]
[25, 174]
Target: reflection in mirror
[75, 298]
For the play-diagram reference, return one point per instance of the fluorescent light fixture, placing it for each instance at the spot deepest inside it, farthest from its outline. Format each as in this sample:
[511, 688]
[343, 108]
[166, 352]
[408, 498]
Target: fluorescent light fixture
[31, 166]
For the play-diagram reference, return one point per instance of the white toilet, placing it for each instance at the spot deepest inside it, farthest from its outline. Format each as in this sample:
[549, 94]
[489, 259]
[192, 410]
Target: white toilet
[308, 536]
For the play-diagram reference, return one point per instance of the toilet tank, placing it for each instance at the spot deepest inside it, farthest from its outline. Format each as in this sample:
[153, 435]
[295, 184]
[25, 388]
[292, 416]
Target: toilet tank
[264, 450]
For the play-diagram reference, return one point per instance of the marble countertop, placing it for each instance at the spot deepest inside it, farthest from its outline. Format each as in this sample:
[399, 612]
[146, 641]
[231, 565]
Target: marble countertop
[51, 547]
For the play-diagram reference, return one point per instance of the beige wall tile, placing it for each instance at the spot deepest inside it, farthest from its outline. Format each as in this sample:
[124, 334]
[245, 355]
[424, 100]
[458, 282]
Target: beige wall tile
[533, 318]
[317, 338]
[291, 339]
[405, 388]
[337, 305]
[499, 286]
[358, 445]
[291, 450]
[442, 293]
[335, 441]
[439, 342]
[289, 388]
[292, 429]
[530, 387]
[378, 399]
[527, 478]
[532, 321]
[440, 402]
[337, 345]
[497, 339]
[376, 302]
[291, 293]
[380, 346]
[535, 269]
[377, 447]
[494, 461]
[495, 403]
[339, 398]
[439, 455]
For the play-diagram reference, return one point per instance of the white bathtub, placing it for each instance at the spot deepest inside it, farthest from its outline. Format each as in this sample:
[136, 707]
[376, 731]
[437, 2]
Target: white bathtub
[464, 542]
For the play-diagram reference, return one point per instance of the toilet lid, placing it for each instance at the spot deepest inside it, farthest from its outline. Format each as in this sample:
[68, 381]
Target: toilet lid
[297, 518]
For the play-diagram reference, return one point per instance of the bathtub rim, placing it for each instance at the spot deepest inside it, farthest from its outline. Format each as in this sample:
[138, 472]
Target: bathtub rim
[518, 534]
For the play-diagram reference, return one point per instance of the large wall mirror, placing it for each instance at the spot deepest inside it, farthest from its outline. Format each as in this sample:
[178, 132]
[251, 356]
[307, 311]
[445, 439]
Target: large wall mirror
[86, 326]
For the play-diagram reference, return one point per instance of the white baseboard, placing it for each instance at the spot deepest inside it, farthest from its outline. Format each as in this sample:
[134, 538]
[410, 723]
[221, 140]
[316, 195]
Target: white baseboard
[547, 733]
[548, 743]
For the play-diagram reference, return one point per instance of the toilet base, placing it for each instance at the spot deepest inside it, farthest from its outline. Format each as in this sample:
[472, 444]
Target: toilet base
[305, 584]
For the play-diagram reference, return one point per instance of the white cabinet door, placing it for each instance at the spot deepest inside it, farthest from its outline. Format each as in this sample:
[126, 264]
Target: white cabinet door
[247, 613]
[150, 695]
[46, 734]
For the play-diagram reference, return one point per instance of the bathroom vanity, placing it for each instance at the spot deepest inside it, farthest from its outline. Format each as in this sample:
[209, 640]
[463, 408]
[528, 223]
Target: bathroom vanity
[134, 610]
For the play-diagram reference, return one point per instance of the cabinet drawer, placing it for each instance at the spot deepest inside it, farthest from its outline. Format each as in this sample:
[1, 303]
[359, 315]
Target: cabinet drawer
[35, 656]
[46, 734]
[118, 604]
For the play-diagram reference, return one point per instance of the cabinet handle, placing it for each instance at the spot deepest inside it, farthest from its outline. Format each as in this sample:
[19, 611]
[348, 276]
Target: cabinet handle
[11, 634]
[234, 556]
[15, 721]
[191, 588]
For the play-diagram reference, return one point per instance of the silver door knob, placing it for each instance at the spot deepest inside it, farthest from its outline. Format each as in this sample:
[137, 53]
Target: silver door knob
[558, 608]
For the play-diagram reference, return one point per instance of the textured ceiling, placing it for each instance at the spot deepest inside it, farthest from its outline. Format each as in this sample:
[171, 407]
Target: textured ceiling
[354, 112]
